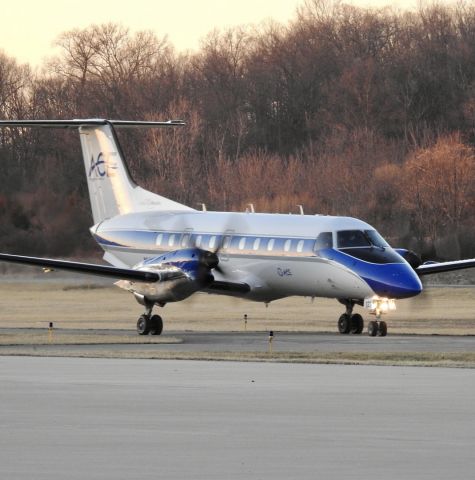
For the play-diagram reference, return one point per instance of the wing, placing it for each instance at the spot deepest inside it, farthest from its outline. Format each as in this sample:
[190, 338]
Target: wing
[87, 268]
[429, 268]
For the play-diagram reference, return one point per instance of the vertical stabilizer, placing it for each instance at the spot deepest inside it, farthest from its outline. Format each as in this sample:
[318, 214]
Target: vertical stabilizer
[111, 190]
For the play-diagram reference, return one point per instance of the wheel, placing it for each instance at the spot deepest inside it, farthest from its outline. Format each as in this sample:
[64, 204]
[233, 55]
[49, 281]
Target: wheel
[143, 325]
[383, 329]
[357, 324]
[156, 325]
[372, 328]
[344, 324]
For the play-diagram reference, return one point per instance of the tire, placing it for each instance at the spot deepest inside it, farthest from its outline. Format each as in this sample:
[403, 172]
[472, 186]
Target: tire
[373, 328]
[357, 324]
[344, 324]
[383, 329]
[143, 325]
[156, 325]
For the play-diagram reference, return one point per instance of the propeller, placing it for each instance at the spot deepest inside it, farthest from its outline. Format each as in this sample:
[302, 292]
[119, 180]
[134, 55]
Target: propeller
[214, 255]
[208, 261]
[210, 258]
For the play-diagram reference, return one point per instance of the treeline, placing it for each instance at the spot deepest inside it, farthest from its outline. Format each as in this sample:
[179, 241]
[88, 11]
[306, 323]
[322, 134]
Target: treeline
[348, 111]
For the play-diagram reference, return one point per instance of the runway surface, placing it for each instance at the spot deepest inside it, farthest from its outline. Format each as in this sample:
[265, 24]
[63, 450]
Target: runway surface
[109, 419]
[258, 342]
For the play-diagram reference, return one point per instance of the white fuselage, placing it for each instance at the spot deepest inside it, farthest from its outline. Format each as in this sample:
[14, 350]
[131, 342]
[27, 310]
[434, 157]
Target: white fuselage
[273, 253]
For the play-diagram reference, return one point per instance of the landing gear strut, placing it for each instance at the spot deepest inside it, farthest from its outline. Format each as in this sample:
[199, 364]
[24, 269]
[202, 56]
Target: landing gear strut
[350, 322]
[148, 323]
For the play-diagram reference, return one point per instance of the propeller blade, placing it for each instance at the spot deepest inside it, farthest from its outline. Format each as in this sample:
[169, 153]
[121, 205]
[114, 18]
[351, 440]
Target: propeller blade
[209, 259]
[220, 270]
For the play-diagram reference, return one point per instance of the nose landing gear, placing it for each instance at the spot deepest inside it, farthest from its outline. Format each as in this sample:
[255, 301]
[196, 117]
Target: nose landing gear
[377, 328]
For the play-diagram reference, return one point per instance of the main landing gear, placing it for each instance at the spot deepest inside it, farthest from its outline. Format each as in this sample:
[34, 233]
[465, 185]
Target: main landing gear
[148, 323]
[351, 322]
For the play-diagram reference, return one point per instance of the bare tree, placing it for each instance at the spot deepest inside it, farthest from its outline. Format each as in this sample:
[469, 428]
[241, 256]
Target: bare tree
[440, 186]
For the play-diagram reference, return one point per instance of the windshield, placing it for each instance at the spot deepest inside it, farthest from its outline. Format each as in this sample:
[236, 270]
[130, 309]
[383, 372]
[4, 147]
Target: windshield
[360, 238]
[376, 239]
[352, 238]
[367, 245]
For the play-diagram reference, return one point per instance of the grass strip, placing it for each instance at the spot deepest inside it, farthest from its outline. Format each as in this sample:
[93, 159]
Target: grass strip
[44, 338]
[426, 359]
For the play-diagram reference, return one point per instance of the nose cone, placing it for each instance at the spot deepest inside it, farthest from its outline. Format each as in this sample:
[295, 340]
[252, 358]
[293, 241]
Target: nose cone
[396, 281]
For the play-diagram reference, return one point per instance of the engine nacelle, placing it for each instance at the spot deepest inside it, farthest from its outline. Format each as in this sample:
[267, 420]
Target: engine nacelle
[412, 258]
[182, 273]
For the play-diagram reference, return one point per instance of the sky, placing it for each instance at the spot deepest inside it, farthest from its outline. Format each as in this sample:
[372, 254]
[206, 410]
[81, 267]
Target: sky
[28, 28]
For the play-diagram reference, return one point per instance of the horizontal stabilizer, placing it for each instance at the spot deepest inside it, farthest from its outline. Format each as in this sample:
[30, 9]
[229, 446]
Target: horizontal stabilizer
[429, 268]
[76, 123]
[87, 268]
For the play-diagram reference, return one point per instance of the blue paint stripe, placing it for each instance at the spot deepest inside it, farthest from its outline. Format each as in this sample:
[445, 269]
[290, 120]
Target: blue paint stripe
[393, 280]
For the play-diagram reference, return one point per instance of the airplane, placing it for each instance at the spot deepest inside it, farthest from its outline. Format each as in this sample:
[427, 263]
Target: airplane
[163, 251]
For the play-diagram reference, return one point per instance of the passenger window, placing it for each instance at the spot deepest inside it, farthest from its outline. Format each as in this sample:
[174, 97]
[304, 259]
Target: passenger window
[171, 240]
[300, 246]
[287, 245]
[212, 241]
[159, 239]
[270, 245]
[185, 240]
[227, 241]
[198, 241]
[257, 242]
[324, 240]
[242, 243]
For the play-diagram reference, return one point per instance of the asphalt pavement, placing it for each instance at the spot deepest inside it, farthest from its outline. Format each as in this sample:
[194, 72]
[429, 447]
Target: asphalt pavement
[147, 419]
[258, 342]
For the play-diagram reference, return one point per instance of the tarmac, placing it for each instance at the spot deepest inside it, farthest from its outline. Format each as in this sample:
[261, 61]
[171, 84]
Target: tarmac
[256, 342]
[142, 419]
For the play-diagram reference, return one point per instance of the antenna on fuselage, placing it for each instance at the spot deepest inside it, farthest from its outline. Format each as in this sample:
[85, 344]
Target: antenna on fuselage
[251, 208]
[203, 207]
[301, 209]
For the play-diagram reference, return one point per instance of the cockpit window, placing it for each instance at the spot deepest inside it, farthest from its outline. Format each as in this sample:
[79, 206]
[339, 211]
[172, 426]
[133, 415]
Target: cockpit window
[360, 238]
[352, 238]
[324, 240]
[376, 239]
[367, 245]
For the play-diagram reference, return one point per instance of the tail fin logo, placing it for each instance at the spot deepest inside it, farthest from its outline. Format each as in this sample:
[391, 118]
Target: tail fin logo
[97, 167]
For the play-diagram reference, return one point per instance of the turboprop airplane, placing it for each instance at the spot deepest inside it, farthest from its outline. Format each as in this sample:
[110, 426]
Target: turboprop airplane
[162, 251]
